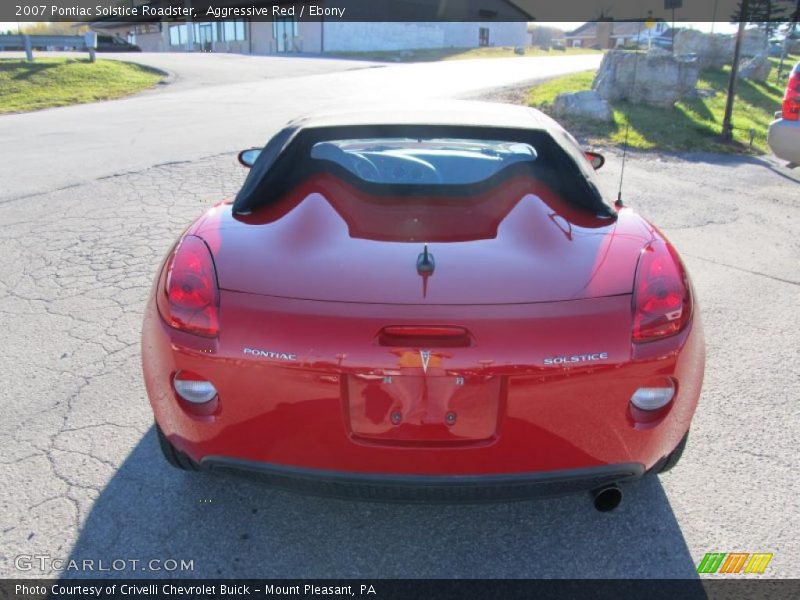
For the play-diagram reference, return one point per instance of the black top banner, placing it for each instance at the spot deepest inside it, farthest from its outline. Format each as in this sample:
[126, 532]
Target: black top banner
[394, 10]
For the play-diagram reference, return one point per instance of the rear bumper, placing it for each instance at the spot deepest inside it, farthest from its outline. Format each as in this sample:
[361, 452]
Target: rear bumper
[425, 488]
[784, 139]
[287, 418]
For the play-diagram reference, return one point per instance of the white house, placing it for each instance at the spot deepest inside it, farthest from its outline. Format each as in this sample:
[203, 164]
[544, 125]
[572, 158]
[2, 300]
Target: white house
[612, 34]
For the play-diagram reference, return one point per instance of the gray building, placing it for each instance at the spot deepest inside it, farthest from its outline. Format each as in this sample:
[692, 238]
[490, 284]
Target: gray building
[313, 37]
[472, 23]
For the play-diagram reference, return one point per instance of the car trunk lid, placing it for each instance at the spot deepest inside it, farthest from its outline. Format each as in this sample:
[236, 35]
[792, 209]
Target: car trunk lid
[518, 243]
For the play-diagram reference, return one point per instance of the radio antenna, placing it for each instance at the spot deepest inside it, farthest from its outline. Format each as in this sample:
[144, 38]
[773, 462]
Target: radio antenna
[619, 203]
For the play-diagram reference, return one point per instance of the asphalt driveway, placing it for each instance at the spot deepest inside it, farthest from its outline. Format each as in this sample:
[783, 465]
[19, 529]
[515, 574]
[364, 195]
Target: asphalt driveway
[83, 477]
[223, 103]
[93, 196]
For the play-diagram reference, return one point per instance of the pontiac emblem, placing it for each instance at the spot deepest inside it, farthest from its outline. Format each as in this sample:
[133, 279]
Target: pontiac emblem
[425, 355]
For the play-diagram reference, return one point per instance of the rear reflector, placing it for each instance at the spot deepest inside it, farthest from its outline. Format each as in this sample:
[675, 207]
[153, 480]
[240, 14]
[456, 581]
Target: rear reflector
[193, 388]
[653, 398]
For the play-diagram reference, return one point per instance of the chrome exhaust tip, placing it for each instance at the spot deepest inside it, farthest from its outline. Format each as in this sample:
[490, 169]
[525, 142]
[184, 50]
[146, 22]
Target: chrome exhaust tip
[607, 498]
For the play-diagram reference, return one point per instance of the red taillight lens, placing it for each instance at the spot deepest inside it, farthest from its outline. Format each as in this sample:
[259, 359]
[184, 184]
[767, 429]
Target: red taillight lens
[791, 99]
[189, 297]
[662, 301]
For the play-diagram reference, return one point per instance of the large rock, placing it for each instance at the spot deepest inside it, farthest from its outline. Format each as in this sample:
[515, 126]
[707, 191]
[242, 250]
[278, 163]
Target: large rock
[713, 51]
[657, 78]
[586, 104]
[755, 69]
[716, 50]
[754, 43]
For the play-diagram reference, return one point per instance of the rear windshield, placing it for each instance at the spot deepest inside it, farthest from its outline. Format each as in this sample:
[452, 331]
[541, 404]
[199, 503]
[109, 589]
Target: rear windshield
[446, 161]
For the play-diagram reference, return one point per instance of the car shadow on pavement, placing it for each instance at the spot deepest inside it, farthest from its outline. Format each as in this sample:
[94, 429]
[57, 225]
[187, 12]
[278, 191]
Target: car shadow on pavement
[229, 526]
[775, 165]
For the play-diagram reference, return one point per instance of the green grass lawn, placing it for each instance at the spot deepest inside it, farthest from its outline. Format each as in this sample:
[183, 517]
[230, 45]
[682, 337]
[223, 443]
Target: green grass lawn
[48, 82]
[434, 54]
[693, 124]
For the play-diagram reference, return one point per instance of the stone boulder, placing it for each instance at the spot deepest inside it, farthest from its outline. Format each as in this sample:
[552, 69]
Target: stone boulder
[657, 78]
[656, 51]
[754, 43]
[705, 93]
[714, 51]
[586, 105]
[755, 69]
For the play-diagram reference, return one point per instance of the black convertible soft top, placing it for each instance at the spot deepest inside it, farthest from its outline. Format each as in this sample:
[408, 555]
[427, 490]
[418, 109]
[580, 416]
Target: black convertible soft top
[286, 159]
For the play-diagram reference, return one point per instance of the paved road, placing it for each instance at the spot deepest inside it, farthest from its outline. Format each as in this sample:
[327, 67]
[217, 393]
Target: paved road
[80, 143]
[83, 478]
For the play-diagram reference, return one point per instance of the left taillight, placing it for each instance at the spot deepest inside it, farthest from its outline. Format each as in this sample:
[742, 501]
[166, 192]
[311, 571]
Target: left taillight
[662, 298]
[188, 294]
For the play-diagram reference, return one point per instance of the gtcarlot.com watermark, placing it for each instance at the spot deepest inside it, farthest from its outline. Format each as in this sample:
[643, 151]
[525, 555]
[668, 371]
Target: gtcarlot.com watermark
[46, 563]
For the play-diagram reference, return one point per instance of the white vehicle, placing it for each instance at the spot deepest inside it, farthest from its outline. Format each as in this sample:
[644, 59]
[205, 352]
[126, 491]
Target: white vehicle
[784, 132]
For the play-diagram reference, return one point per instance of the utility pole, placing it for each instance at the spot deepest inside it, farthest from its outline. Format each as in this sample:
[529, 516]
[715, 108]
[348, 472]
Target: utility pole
[727, 128]
[672, 5]
[714, 17]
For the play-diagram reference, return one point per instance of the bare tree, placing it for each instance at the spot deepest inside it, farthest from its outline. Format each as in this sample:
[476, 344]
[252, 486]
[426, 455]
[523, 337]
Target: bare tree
[544, 36]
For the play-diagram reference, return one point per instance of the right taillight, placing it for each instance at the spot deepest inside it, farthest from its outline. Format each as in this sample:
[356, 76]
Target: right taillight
[662, 301]
[188, 297]
[791, 99]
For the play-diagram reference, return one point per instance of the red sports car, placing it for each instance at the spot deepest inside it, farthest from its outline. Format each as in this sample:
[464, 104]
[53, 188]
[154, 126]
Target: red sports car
[420, 305]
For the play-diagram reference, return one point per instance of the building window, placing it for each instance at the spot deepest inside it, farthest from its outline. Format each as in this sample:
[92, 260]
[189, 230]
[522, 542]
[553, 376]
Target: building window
[233, 31]
[483, 36]
[283, 25]
[207, 32]
[284, 32]
[205, 35]
[177, 35]
[145, 28]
